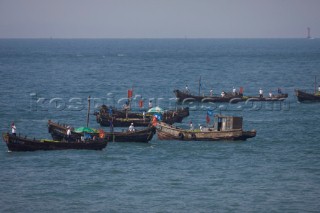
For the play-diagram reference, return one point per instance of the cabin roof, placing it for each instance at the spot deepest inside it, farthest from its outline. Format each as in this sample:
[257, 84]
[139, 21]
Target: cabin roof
[227, 116]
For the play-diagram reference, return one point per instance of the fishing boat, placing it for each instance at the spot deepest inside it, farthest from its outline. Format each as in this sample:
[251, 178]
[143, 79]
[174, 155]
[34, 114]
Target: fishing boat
[304, 96]
[59, 132]
[183, 96]
[225, 128]
[118, 120]
[106, 112]
[230, 97]
[186, 96]
[22, 143]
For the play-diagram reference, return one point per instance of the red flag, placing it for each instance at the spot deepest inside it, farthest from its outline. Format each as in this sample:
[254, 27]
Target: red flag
[129, 93]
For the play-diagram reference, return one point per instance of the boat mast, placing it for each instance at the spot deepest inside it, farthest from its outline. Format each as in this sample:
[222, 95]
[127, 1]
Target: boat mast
[315, 84]
[199, 84]
[88, 111]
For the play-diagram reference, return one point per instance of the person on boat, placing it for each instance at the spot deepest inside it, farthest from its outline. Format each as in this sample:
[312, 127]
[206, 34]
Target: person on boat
[174, 114]
[191, 125]
[234, 91]
[200, 127]
[187, 89]
[150, 104]
[13, 129]
[154, 121]
[110, 111]
[131, 128]
[68, 133]
[279, 91]
[260, 93]
[211, 92]
[144, 115]
[126, 106]
[223, 94]
[270, 94]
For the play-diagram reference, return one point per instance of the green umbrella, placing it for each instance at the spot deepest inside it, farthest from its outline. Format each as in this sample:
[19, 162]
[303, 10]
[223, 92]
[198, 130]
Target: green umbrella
[85, 129]
[156, 110]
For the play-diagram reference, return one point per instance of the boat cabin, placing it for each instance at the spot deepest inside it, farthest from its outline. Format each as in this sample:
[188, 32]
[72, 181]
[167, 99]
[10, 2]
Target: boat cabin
[225, 123]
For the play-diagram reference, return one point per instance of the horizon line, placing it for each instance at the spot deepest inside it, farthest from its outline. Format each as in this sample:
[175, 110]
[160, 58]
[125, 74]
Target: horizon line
[155, 38]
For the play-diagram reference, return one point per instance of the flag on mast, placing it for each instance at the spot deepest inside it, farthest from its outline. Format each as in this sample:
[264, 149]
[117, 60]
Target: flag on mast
[209, 113]
[130, 92]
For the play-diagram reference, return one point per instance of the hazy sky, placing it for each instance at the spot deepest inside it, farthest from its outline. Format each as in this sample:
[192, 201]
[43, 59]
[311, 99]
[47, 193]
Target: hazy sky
[159, 18]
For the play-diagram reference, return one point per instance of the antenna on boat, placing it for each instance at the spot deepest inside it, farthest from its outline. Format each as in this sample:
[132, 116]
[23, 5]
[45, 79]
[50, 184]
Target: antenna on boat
[88, 111]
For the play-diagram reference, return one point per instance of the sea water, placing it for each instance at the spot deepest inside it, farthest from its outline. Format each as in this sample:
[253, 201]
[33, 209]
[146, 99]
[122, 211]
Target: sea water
[277, 171]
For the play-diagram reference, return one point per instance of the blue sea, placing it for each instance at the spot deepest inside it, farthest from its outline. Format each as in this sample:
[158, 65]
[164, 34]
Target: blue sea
[277, 171]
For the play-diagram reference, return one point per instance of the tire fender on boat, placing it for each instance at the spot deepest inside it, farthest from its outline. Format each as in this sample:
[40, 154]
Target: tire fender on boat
[181, 136]
[193, 136]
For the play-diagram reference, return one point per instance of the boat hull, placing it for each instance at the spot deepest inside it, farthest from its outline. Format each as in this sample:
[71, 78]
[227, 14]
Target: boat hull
[306, 97]
[16, 144]
[142, 136]
[59, 132]
[122, 122]
[168, 132]
[185, 97]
